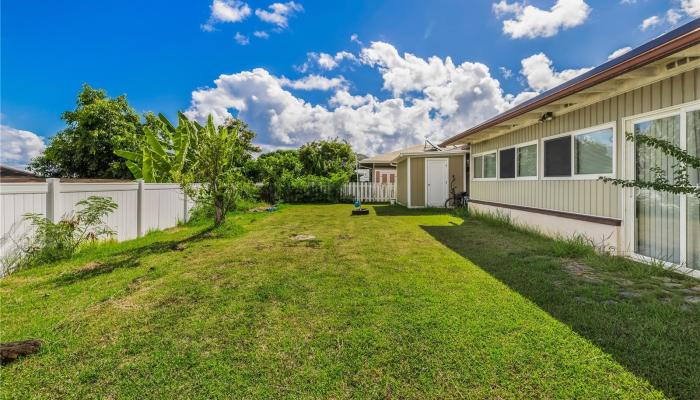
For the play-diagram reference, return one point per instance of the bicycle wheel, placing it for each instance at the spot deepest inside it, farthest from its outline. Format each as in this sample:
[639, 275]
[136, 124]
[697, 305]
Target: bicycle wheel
[450, 203]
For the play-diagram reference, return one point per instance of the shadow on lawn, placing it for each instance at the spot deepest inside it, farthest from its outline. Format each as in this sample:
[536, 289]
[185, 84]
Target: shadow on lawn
[652, 335]
[401, 211]
[128, 259]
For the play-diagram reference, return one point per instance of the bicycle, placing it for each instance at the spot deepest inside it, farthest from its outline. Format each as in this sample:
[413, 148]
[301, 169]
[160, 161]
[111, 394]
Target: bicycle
[456, 200]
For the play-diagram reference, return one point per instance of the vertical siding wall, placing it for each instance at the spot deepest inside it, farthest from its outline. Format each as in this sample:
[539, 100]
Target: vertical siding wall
[417, 182]
[457, 169]
[583, 196]
[163, 206]
[402, 183]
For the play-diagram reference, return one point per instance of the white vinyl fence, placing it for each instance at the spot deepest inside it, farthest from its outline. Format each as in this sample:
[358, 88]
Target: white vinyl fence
[370, 192]
[141, 206]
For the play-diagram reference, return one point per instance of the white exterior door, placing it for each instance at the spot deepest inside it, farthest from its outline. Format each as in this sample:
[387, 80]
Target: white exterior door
[436, 182]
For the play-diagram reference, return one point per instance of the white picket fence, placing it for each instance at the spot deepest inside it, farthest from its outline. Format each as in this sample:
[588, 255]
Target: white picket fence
[141, 207]
[370, 192]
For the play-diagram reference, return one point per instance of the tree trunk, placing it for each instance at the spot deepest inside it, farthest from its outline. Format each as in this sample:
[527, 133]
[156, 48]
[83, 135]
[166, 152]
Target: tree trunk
[218, 212]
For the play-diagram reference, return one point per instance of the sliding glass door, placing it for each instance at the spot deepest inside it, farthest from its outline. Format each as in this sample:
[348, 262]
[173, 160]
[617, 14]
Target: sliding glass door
[657, 215]
[667, 226]
[693, 203]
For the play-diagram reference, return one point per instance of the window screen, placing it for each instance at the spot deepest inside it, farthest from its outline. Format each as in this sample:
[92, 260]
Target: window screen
[478, 165]
[527, 160]
[507, 163]
[557, 157]
[490, 165]
[593, 152]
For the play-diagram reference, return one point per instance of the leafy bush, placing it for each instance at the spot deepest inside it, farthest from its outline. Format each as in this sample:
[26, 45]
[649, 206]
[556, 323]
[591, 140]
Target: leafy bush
[51, 241]
[314, 189]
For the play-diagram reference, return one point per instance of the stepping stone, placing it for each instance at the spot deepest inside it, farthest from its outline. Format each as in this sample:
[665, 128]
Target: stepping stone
[692, 299]
[302, 238]
[609, 302]
[629, 295]
[662, 278]
[624, 282]
[672, 284]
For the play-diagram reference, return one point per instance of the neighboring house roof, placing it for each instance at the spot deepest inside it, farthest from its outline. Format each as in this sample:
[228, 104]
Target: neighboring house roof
[7, 171]
[657, 49]
[11, 174]
[388, 158]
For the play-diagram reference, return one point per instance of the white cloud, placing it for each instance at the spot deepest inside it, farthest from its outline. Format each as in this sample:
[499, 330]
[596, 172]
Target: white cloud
[688, 8]
[315, 82]
[18, 147]
[530, 22]
[673, 16]
[650, 22]
[541, 76]
[691, 7]
[507, 73]
[325, 61]
[619, 52]
[431, 98]
[261, 34]
[504, 8]
[226, 11]
[241, 39]
[355, 38]
[279, 13]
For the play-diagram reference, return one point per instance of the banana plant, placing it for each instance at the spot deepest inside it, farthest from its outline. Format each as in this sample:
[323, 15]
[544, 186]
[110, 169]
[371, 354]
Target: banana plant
[163, 157]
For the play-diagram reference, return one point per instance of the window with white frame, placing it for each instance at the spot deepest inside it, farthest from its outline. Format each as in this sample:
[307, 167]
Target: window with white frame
[557, 157]
[506, 161]
[478, 167]
[586, 154]
[485, 166]
[490, 165]
[527, 161]
[593, 152]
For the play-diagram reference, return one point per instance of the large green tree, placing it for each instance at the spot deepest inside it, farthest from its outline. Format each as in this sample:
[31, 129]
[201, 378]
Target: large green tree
[85, 148]
[273, 169]
[326, 158]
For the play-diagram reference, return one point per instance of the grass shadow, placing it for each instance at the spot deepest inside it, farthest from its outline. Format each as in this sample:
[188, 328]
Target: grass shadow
[128, 258]
[401, 211]
[621, 306]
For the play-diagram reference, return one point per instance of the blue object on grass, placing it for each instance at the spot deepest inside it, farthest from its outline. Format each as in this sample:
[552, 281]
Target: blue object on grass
[357, 203]
[270, 209]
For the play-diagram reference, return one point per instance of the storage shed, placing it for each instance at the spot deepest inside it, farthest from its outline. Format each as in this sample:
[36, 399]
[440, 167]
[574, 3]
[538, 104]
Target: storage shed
[424, 178]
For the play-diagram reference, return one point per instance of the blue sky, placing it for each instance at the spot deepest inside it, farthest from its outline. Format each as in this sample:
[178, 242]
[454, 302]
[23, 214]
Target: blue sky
[317, 69]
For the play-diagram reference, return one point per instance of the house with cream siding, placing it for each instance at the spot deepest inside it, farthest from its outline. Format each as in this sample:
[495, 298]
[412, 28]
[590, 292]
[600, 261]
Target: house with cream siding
[540, 162]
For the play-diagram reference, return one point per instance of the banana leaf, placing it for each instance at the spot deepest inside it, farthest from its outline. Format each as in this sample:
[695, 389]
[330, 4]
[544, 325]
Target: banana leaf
[147, 171]
[153, 142]
[135, 169]
[129, 155]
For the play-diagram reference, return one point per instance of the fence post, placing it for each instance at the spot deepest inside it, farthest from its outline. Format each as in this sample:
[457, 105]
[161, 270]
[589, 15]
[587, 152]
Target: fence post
[186, 209]
[53, 200]
[139, 208]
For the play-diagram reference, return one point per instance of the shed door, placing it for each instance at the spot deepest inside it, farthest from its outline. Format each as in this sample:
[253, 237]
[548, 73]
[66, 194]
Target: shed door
[436, 182]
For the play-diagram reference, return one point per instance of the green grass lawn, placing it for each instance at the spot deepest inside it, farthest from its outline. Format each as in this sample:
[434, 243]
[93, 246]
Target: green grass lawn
[397, 304]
